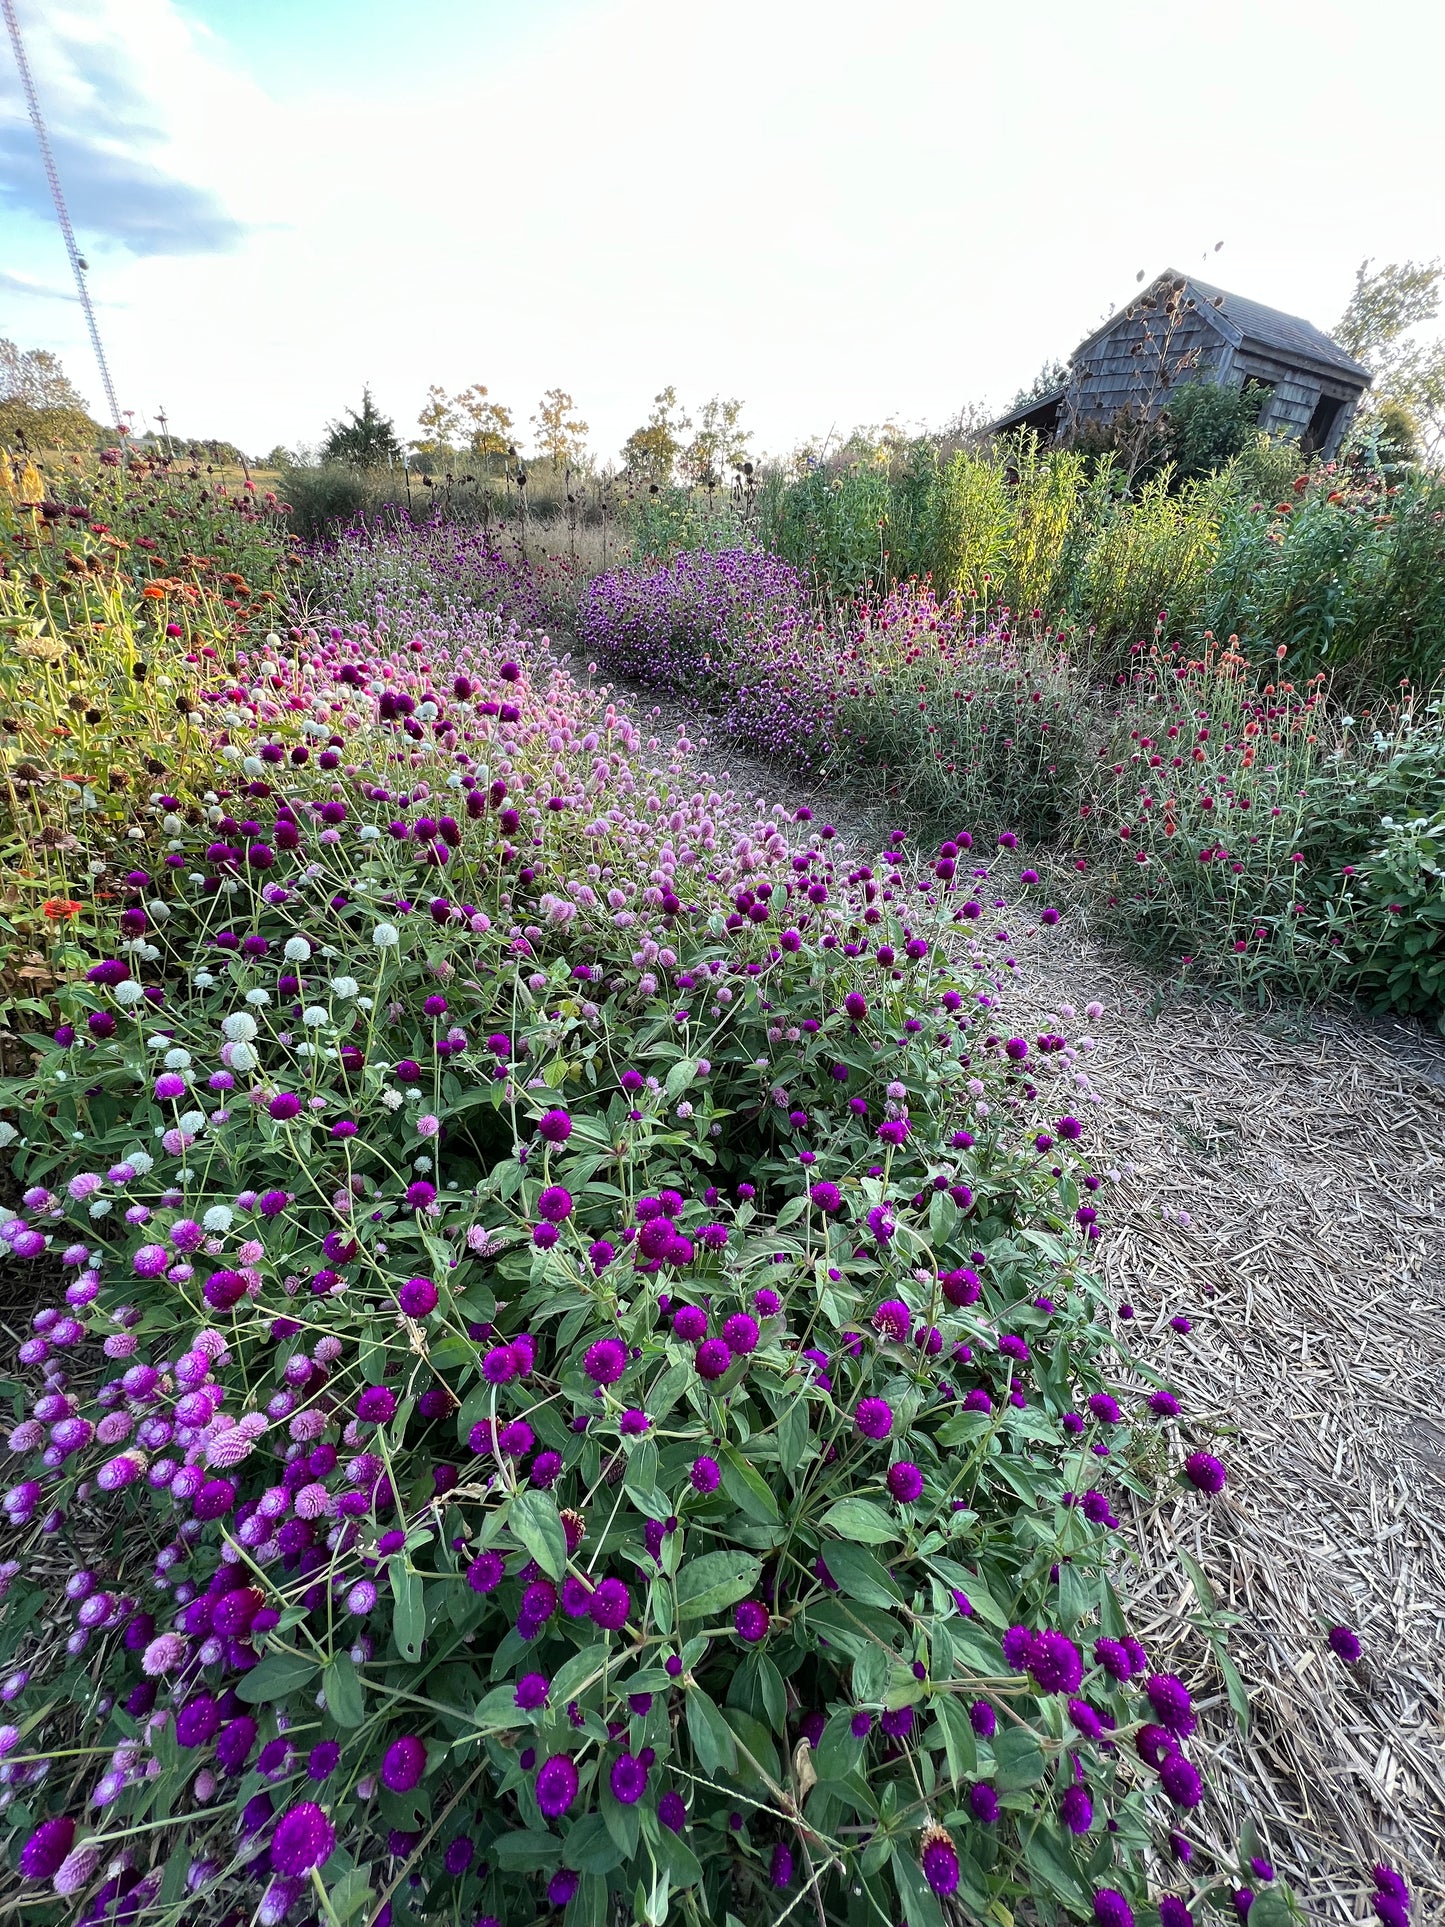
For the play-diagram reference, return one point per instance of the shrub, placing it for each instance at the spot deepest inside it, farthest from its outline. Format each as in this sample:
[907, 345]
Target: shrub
[324, 496]
[687, 619]
[570, 1298]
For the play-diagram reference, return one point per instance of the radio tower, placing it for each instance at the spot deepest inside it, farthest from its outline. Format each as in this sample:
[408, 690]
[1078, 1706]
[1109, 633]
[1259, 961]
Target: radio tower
[42, 136]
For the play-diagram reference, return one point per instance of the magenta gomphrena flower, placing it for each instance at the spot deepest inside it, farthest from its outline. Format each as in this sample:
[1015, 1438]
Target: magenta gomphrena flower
[1173, 1708]
[1174, 1913]
[904, 1481]
[417, 1297]
[555, 1127]
[893, 1320]
[486, 1572]
[376, 1405]
[555, 1204]
[403, 1764]
[741, 1333]
[856, 1005]
[304, 1838]
[556, 1785]
[1344, 1643]
[606, 1361]
[780, 1867]
[939, 1859]
[1180, 1780]
[672, 1812]
[1163, 1405]
[874, 1418]
[44, 1852]
[531, 1691]
[610, 1606]
[712, 1358]
[628, 1779]
[1076, 1809]
[1055, 1662]
[983, 1803]
[751, 1620]
[284, 1106]
[826, 1196]
[705, 1475]
[1111, 1909]
[1205, 1473]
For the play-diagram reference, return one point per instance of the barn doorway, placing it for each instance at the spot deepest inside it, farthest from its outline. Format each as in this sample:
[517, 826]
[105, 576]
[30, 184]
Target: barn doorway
[1322, 425]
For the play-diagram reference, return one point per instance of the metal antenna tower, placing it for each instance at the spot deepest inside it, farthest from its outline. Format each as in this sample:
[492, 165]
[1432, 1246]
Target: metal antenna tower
[62, 214]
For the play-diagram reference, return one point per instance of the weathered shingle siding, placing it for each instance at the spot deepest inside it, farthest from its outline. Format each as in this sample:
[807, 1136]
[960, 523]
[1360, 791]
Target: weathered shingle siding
[1123, 367]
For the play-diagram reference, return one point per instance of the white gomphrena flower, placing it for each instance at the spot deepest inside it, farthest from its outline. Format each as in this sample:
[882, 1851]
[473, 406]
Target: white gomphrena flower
[231, 753]
[345, 986]
[239, 1028]
[140, 1162]
[384, 936]
[260, 998]
[218, 1218]
[191, 1121]
[426, 712]
[369, 833]
[99, 1207]
[297, 950]
[128, 992]
[8, 1134]
[177, 1060]
[243, 1058]
[253, 766]
[313, 1015]
[204, 980]
[160, 911]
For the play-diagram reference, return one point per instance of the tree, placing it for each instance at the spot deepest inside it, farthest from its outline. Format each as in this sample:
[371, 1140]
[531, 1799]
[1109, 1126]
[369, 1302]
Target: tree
[438, 422]
[651, 452]
[1051, 377]
[561, 437]
[1406, 403]
[367, 440]
[487, 425]
[718, 443]
[36, 378]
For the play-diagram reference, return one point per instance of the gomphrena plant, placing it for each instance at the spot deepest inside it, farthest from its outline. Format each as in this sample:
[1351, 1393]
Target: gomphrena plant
[577, 1383]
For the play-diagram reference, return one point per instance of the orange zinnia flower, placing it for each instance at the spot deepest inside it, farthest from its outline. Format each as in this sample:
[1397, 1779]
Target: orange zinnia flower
[61, 909]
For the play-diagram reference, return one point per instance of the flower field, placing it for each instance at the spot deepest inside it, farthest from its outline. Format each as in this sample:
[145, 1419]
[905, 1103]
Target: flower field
[562, 1373]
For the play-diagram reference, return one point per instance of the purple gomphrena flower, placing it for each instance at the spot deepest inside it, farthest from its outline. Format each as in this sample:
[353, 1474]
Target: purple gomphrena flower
[751, 1621]
[1111, 1909]
[304, 1838]
[555, 1204]
[1344, 1644]
[403, 1764]
[826, 1196]
[705, 1475]
[556, 1785]
[628, 1779]
[562, 1886]
[417, 1297]
[741, 1333]
[939, 1860]
[1017, 1642]
[905, 1481]
[1205, 1472]
[1173, 1912]
[531, 1691]
[45, 1850]
[1164, 1405]
[983, 1719]
[712, 1358]
[375, 1405]
[610, 1606]
[780, 1867]
[1055, 1662]
[672, 1812]
[555, 1127]
[874, 1418]
[605, 1361]
[486, 1572]
[1076, 1809]
[983, 1803]
[1173, 1708]
[1181, 1781]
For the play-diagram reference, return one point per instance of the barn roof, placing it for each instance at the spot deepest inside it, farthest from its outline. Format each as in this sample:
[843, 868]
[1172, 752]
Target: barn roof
[1289, 335]
[1272, 329]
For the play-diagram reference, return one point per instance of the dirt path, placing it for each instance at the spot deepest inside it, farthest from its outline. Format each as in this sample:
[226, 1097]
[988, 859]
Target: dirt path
[1281, 1184]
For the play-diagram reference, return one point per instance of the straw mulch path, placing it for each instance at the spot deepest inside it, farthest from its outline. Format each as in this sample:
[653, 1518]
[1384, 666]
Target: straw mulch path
[1282, 1184]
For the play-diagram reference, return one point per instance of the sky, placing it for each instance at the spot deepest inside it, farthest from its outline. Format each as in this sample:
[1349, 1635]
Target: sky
[841, 213]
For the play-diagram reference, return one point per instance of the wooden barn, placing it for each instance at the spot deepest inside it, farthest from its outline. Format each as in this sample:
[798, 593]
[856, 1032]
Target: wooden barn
[1179, 330]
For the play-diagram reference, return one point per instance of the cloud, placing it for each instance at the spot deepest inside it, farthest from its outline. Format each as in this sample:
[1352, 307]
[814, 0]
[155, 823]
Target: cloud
[23, 284]
[124, 180]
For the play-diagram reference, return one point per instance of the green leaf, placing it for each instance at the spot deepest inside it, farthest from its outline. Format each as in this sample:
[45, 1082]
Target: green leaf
[570, 1675]
[534, 1519]
[942, 1217]
[588, 1906]
[860, 1575]
[711, 1735]
[590, 1847]
[277, 1675]
[408, 1609]
[958, 1740]
[678, 1858]
[530, 1851]
[716, 1581]
[1234, 1686]
[1054, 1866]
[858, 1519]
[747, 1488]
[920, 1904]
[680, 1076]
[1018, 1757]
[350, 1894]
[345, 1700]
